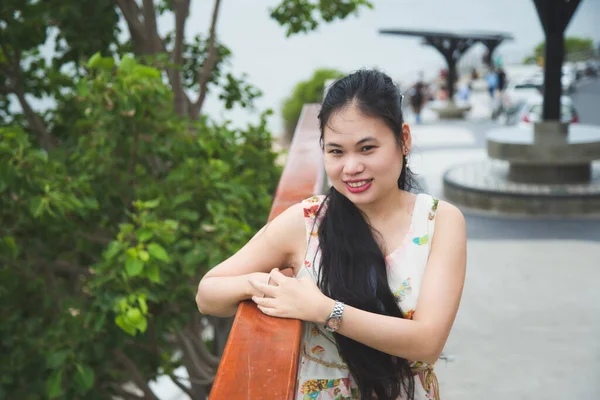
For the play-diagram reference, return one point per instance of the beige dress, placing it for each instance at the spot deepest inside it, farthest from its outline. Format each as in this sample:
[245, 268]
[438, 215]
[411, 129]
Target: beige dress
[322, 374]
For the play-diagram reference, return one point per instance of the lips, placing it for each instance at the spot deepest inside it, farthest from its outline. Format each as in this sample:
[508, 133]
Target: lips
[358, 186]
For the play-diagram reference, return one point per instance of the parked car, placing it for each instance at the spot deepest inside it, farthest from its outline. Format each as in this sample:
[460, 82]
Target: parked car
[591, 69]
[516, 95]
[568, 78]
[531, 111]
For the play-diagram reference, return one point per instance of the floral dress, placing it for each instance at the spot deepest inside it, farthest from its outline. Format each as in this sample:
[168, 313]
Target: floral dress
[322, 374]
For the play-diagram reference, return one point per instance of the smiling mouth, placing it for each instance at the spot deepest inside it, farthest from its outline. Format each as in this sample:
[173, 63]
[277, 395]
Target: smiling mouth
[359, 183]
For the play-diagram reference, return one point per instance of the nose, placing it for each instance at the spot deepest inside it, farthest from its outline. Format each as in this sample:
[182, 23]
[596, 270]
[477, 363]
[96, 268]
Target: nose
[353, 166]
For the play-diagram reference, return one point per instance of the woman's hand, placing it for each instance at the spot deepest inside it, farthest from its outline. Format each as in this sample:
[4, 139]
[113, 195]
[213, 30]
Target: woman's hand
[286, 297]
[258, 277]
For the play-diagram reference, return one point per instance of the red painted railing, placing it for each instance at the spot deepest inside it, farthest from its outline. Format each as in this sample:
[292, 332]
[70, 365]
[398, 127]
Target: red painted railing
[260, 361]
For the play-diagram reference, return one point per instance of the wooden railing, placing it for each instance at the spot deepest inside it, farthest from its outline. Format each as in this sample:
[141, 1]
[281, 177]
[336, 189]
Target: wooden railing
[260, 360]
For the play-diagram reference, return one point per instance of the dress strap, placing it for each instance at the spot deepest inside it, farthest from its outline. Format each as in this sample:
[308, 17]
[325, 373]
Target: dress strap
[428, 379]
[311, 208]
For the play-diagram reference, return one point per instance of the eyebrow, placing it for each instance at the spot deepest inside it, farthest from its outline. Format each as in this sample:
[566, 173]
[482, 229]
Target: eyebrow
[361, 141]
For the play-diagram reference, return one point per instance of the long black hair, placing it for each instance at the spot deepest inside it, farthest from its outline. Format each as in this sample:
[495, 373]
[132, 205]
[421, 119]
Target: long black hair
[353, 267]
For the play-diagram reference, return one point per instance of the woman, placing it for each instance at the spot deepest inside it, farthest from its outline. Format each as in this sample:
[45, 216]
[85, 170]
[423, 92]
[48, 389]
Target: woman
[362, 256]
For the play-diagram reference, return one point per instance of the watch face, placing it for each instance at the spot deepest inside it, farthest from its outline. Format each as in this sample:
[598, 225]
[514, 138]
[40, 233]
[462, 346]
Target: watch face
[334, 323]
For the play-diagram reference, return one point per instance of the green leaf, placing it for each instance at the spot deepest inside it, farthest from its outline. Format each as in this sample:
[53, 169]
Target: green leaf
[120, 321]
[134, 316]
[134, 266]
[142, 325]
[144, 256]
[91, 203]
[94, 60]
[84, 377]
[11, 244]
[171, 224]
[144, 235]
[143, 304]
[146, 72]
[36, 206]
[106, 63]
[158, 252]
[188, 215]
[181, 198]
[127, 64]
[113, 249]
[54, 385]
[153, 273]
[126, 228]
[132, 252]
[56, 359]
[152, 203]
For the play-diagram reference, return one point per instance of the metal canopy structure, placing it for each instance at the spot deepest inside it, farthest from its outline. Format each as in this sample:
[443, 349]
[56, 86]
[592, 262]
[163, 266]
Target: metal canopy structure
[554, 15]
[453, 45]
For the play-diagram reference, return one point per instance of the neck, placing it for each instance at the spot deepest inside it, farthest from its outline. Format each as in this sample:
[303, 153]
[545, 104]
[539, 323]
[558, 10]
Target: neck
[386, 206]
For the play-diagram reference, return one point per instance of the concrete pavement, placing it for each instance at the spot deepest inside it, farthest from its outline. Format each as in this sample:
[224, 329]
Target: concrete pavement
[528, 325]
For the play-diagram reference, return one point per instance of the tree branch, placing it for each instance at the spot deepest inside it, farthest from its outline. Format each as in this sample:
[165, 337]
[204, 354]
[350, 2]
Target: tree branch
[137, 376]
[94, 239]
[35, 122]
[127, 395]
[6, 53]
[182, 102]
[181, 386]
[189, 352]
[5, 89]
[149, 13]
[202, 351]
[208, 65]
[131, 12]
[65, 266]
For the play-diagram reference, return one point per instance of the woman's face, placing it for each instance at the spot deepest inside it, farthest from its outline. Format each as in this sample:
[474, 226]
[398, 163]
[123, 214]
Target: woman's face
[362, 158]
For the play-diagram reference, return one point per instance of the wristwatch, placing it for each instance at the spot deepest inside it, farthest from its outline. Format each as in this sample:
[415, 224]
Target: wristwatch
[334, 321]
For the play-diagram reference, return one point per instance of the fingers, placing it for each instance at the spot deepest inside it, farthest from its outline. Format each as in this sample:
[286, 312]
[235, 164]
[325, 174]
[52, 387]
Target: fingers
[262, 287]
[272, 312]
[264, 301]
[277, 276]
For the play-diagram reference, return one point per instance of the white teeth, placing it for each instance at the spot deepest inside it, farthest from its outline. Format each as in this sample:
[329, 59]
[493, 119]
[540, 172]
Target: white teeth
[358, 184]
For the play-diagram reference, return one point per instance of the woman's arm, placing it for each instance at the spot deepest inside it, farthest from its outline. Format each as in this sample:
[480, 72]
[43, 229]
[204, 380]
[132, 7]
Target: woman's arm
[276, 245]
[420, 339]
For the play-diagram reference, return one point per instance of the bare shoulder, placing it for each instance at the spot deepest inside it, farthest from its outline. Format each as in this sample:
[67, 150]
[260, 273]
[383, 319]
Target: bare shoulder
[449, 214]
[449, 243]
[450, 227]
[286, 229]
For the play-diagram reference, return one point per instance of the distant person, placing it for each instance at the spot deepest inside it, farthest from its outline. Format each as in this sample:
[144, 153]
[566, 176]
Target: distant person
[474, 77]
[464, 92]
[492, 80]
[501, 80]
[417, 98]
[378, 271]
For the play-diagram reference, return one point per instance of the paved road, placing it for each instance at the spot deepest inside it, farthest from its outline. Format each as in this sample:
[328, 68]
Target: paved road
[528, 326]
[587, 101]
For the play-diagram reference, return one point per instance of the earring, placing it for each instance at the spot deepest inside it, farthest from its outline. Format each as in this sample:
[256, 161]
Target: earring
[406, 157]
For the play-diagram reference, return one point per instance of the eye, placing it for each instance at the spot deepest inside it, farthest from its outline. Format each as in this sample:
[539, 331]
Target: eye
[367, 148]
[335, 151]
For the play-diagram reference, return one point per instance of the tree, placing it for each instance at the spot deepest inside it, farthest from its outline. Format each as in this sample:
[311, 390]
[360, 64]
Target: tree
[117, 199]
[305, 92]
[576, 49]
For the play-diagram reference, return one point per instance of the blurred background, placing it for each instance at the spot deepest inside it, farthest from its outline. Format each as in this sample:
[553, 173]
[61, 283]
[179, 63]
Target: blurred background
[142, 142]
